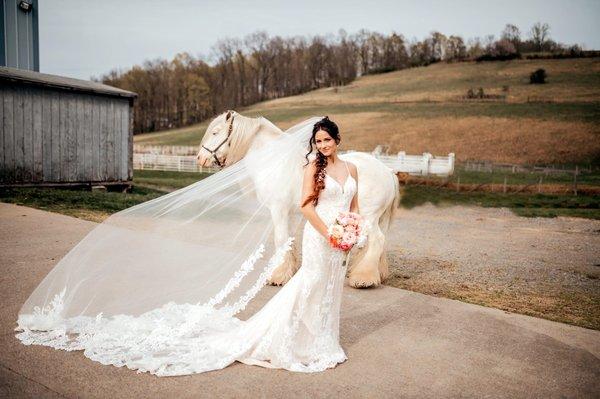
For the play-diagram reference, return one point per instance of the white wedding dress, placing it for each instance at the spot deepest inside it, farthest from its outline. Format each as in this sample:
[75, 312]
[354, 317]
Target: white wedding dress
[297, 329]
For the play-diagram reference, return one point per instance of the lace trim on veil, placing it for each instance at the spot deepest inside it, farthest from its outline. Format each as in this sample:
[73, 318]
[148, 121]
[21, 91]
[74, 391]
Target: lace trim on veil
[153, 330]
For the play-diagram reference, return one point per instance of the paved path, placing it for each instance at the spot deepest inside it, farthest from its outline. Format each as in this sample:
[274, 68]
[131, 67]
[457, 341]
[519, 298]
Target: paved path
[399, 343]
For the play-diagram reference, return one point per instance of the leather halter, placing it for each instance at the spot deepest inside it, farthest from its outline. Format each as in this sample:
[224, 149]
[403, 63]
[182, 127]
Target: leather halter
[214, 152]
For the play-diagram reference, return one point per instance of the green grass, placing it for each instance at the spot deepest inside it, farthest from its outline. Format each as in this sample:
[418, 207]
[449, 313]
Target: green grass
[168, 181]
[70, 201]
[474, 177]
[522, 204]
[95, 205]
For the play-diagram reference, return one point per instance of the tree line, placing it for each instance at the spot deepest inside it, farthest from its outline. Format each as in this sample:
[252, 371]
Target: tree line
[188, 89]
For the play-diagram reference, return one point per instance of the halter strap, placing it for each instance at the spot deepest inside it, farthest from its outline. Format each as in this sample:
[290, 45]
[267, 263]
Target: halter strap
[214, 151]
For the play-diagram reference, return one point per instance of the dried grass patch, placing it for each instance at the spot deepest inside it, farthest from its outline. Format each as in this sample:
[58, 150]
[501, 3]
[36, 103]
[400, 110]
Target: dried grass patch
[521, 140]
[580, 309]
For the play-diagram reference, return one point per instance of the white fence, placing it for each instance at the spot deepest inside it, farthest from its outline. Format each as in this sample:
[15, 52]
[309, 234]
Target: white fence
[421, 165]
[177, 163]
[165, 149]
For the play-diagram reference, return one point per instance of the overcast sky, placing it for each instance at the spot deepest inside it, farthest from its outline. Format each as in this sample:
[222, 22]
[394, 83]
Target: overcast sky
[88, 38]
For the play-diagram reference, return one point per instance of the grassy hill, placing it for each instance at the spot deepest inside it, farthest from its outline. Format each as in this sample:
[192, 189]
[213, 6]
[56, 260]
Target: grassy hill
[423, 110]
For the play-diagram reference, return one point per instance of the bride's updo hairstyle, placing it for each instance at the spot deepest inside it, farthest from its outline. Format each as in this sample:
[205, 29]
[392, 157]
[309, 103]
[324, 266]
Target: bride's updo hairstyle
[321, 160]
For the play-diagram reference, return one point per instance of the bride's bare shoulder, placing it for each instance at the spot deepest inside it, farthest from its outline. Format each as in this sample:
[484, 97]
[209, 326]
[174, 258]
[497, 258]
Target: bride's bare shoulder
[353, 169]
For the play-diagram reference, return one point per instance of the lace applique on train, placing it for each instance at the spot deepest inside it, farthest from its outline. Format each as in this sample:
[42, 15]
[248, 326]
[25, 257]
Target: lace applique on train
[297, 329]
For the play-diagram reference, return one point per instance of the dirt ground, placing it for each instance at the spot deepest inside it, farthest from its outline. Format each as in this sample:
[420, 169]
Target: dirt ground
[544, 267]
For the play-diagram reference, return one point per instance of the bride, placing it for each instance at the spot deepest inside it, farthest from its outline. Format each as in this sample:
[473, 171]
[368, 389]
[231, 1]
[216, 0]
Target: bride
[156, 287]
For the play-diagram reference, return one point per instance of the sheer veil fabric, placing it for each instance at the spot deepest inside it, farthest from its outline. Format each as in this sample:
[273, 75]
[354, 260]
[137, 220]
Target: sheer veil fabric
[173, 267]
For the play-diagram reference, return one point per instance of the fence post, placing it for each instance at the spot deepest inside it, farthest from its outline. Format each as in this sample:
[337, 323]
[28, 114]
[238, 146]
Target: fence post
[540, 185]
[425, 163]
[504, 186]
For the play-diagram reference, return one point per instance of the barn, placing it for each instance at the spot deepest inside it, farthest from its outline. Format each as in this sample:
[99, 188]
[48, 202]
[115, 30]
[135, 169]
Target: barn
[59, 131]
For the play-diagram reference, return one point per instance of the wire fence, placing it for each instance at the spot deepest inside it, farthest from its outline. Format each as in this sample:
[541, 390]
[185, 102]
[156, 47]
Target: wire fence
[490, 167]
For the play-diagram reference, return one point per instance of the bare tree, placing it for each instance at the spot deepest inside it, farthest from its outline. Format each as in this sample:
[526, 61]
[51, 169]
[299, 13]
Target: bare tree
[364, 51]
[512, 34]
[540, 34]
[438, 45]
[488, 42]
[455, 49]
[261, 61]
[475, 48]
[395, 55]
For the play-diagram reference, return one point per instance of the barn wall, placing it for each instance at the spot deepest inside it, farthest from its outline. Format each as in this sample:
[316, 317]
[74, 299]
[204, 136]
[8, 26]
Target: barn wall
[57, 136]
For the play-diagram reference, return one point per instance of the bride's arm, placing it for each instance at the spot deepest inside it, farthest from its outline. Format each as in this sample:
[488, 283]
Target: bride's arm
[354, 203]
[308, 210]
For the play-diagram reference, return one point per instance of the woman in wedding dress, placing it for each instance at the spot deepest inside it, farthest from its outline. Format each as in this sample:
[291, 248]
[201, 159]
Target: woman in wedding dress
[297, 329]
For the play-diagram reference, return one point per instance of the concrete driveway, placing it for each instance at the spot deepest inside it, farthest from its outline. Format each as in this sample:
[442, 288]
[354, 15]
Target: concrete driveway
[399, 343]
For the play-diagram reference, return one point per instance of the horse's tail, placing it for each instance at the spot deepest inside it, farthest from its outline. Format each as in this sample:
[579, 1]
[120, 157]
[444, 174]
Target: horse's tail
[392, 209]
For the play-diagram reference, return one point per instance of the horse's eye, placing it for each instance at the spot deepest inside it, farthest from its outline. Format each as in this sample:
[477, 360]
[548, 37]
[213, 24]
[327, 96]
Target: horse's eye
[215, 133]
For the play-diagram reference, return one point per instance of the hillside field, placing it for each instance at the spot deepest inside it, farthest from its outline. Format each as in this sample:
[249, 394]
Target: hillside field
[424, 110]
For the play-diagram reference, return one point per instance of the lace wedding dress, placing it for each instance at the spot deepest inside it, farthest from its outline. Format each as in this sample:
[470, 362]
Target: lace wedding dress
[297, 329]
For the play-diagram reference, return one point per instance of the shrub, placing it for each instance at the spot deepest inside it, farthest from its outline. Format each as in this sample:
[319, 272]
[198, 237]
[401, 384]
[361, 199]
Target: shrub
[538, 76]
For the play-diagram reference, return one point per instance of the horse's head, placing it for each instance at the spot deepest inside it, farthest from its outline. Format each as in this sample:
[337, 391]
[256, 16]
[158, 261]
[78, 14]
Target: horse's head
[215, 144]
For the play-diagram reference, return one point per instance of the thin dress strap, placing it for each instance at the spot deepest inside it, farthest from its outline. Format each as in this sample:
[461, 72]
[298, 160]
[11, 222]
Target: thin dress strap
[346, 163]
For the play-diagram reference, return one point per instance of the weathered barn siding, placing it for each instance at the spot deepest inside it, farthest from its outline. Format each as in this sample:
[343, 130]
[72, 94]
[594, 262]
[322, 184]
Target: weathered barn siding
[54, 135]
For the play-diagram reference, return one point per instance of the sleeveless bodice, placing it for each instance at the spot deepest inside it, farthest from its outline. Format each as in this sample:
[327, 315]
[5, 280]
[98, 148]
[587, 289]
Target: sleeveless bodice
[335, 197]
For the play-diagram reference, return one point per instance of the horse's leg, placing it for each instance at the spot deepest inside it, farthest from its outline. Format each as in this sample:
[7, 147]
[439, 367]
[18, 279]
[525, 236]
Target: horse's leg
[384, 270]
[366, 271]
[289, 265]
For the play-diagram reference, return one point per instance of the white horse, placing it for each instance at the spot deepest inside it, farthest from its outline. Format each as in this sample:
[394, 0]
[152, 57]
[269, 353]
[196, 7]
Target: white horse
[230, 136]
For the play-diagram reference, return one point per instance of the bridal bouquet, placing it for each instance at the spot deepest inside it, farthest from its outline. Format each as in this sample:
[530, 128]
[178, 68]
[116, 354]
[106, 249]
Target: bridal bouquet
[347, 230]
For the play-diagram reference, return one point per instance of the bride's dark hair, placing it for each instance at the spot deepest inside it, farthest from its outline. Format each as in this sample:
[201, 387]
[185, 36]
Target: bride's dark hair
[321, 160]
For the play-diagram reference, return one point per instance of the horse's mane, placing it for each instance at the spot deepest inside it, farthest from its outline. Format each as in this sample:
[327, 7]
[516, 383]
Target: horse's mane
[244, 130]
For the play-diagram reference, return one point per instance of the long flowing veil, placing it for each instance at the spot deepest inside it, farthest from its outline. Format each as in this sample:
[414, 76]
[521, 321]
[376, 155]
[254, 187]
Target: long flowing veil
[201, 252]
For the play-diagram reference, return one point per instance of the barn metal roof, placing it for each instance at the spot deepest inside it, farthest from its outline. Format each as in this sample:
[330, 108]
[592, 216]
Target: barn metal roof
[62, 82]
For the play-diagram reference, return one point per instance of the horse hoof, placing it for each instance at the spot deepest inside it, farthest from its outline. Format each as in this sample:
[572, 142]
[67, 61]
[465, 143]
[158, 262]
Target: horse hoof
[362, 284]
[363, 280]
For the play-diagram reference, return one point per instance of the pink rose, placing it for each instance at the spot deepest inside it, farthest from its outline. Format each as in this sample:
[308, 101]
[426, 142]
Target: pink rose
[349, 238]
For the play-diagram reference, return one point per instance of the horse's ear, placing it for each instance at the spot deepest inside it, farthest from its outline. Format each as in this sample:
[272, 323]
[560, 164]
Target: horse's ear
[228, 115]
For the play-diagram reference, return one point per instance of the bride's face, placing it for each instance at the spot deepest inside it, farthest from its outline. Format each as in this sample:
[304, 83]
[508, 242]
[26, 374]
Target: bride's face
[325, 143]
